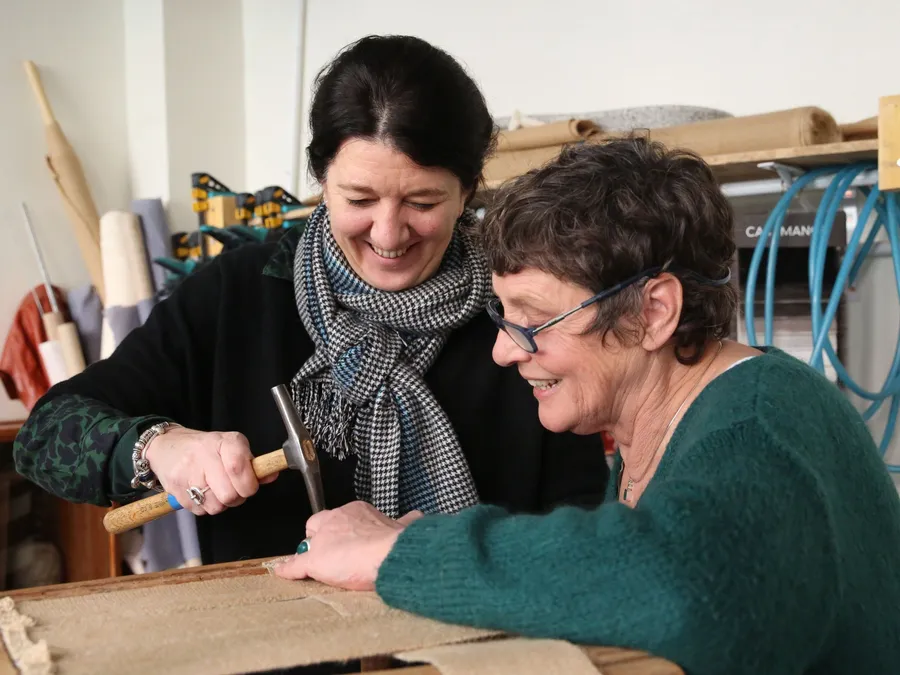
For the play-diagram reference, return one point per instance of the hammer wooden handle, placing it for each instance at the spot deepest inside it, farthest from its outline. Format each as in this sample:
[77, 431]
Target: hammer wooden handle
[143, 511]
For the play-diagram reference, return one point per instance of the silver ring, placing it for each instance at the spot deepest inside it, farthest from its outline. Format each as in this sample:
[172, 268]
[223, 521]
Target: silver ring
[197, 495]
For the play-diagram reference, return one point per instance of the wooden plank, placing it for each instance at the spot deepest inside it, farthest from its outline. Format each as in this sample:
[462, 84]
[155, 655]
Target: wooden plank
[174, 576]
[8, 430]
[744, 165]
[233, 569]
[609, 661]
[604, 656]
[646, 666]
[889, 143]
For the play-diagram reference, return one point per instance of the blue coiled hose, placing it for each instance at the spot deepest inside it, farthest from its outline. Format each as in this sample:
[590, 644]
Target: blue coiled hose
[887, 210]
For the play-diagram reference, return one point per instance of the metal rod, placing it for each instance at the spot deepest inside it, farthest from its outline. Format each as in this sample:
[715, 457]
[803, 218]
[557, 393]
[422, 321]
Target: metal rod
[37, 301]
[40, 259]
[774, 186]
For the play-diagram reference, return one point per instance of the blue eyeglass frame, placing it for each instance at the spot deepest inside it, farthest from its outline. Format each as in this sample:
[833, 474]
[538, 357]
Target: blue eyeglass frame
[527, 334]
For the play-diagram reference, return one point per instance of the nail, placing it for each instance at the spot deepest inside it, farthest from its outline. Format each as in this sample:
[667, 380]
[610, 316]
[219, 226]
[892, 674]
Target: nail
[303, 547]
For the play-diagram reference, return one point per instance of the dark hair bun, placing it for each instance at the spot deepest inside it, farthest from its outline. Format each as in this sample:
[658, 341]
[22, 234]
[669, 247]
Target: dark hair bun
[405, 92]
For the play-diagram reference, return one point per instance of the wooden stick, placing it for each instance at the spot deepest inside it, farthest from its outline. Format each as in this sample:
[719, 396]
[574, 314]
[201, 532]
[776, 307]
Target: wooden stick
[71, 347]
[68, 174]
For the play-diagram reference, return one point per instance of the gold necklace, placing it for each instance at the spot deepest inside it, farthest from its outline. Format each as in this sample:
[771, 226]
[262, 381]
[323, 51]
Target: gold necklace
[629, 488]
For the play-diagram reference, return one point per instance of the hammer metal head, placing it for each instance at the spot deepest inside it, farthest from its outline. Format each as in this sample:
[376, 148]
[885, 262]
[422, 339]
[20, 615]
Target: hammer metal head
[299, 450]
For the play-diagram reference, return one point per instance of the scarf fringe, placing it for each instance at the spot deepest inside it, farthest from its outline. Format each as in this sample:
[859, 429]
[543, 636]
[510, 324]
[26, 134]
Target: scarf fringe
[328, 416]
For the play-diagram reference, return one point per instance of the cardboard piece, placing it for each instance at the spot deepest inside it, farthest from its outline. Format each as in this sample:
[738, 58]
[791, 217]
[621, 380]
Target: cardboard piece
[797, 127]
[555, 133]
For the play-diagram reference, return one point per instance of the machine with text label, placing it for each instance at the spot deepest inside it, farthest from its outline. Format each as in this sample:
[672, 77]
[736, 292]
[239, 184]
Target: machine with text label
[802, 254]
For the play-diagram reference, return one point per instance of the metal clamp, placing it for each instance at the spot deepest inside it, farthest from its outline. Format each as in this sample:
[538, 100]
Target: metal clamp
[788, 174]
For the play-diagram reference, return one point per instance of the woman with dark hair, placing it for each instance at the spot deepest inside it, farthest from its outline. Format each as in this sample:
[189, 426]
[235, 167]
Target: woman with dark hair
[374, 315]
[752, 528]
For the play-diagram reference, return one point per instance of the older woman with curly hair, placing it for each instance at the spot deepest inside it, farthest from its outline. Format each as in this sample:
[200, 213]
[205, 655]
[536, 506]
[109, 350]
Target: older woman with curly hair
[752, 528]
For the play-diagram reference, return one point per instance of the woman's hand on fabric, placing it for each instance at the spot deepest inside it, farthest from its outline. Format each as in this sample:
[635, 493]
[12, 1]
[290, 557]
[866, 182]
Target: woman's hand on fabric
[346, 546]
[184, 458]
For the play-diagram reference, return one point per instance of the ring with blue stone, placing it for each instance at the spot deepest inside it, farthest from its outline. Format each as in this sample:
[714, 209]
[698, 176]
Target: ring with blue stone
[304, 546]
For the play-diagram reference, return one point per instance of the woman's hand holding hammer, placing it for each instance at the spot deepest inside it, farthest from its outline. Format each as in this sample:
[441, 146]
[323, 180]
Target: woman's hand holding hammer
[206, 472]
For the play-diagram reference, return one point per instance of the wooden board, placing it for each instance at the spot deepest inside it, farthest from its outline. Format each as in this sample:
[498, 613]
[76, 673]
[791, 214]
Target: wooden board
[173, 576]
[743, 166]
[610, 661]
[889, 143]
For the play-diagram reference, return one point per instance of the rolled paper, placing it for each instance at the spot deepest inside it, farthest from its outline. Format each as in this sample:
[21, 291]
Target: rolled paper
[54, 362]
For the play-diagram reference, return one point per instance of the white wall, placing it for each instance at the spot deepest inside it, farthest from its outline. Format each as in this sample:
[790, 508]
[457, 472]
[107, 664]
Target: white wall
[78, 48]
[185, 90]
[586, 55]
[146, 102]
[273, 57]
[204, 97]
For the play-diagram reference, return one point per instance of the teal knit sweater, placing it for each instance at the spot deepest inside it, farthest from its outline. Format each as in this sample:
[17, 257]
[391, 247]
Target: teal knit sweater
[768, 541]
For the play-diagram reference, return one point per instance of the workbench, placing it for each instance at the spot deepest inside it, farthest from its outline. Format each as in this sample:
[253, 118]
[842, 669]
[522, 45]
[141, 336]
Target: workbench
[238, 618]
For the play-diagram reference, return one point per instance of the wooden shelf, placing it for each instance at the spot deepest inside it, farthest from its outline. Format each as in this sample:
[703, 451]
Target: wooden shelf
[881, 146]
[744, 165]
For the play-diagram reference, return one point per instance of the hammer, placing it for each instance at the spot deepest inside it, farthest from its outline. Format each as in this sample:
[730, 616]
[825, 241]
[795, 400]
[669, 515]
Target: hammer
[298, 452]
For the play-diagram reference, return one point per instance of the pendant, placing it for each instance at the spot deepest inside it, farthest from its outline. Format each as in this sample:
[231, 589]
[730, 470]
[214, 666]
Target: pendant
[628, 488]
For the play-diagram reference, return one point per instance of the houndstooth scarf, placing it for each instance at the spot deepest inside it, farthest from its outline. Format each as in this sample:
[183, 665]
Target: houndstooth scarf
[362, 392]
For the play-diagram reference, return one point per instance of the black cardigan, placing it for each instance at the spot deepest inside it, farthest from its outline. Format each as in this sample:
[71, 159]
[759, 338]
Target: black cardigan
[207, 358]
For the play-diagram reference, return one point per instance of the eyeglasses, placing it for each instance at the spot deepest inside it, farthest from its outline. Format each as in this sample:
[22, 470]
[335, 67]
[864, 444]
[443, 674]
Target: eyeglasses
[524, 336]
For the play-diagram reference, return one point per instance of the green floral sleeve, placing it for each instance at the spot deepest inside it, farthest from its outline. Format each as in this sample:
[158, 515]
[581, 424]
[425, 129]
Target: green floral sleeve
[79, 449]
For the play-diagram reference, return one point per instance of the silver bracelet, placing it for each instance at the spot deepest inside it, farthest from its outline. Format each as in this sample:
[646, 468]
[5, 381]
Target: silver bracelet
[143, 474]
